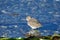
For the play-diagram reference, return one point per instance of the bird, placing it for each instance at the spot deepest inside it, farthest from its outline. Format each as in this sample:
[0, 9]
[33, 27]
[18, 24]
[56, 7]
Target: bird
[33, 23]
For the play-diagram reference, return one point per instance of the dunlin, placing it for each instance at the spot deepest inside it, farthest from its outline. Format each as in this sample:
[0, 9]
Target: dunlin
[33, 23]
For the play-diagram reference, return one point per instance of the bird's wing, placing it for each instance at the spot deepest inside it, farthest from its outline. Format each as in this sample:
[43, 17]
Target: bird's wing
[34, 23]
[34, 20]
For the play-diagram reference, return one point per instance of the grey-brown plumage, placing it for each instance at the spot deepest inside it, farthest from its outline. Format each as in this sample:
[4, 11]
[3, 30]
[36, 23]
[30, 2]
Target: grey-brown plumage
[32, 22]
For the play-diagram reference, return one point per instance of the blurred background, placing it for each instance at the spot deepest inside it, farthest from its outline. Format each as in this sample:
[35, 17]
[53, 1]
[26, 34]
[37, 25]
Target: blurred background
[13, 17]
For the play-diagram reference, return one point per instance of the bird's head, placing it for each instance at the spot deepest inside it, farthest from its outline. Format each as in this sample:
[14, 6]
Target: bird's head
[28, 18]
